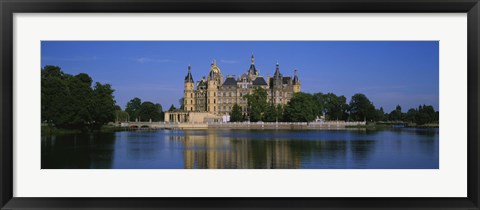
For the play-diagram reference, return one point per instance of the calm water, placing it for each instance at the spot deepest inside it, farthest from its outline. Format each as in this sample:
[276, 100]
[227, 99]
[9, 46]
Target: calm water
[169, 149]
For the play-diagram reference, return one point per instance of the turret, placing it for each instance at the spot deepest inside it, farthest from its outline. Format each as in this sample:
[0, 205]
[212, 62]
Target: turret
[277, 77]
[215, 79]
[189, 95]
[296, 82]
[252, 71]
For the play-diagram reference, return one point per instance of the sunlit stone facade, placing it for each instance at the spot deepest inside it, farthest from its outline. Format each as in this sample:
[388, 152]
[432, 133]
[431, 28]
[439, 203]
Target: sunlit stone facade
[217, 96]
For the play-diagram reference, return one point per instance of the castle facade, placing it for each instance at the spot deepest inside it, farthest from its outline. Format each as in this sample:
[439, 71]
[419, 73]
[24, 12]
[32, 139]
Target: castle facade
[217, 96]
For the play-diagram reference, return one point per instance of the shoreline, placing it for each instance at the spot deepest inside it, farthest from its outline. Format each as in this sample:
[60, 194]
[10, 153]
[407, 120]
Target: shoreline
[46, 130]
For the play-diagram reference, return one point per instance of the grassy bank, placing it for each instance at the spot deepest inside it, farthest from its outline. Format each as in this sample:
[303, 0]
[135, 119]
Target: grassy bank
[370, 126]
[432, 125]
[386, 126]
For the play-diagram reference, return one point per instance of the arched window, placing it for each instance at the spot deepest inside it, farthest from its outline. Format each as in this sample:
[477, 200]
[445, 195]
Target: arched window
[191, 101]
[214, 101]
[191, 95]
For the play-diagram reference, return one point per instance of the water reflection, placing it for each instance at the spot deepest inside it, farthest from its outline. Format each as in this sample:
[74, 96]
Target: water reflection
[78, 151]
[212, 151]
[241, 149]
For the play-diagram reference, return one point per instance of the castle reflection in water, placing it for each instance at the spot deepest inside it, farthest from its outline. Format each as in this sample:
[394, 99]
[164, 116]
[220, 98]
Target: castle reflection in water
[211, 151]
[244, 149]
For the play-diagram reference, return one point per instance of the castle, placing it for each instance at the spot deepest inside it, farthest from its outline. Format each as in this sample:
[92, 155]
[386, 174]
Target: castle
[214, 95]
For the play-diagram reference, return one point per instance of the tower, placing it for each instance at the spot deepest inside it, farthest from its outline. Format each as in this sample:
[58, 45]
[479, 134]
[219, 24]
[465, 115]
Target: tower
[277, 90]
[296, 83]
[277, 77]
[214, 80]
[189, 95]
[252, 71]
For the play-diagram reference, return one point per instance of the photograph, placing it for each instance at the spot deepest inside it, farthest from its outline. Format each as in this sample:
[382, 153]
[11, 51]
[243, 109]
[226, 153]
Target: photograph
[138, 104]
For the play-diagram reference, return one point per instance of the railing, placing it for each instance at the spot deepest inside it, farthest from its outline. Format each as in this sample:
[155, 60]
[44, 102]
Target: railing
[288, 123]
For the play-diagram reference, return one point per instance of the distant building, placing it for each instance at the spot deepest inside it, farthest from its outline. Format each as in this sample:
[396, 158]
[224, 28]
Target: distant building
[214, 95]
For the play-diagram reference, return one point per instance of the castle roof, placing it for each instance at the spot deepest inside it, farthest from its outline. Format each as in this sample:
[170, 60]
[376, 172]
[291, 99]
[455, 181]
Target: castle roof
[189, 77]
[295, 79]
[252, 69]
[230, 81]
[277, 71]
[259, 81]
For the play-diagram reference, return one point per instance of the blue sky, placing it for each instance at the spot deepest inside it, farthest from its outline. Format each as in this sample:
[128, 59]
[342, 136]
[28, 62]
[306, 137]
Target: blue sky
[388, 72]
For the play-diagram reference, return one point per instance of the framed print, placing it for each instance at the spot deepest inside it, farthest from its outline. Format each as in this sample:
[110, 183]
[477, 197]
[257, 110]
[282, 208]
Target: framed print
[239, 105]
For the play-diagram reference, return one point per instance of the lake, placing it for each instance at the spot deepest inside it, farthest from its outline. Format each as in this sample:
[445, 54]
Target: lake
[402, 148]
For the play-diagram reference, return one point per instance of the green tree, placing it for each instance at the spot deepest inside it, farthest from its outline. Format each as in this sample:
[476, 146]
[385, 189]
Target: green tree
[172, 108]
[236, 114]
[321, 99]
[149, 111]
[335, 107]
[396, 115]
[160, 110]
[280, 113]
[54, 91]
[70, 102]
[301, 108]
[411, 115]
[256, 104]
[80, 101]
[361, 108]
[121, 116]
[270, 114]
[181, 101]
[425, 115]
[103, 105]
[133, 108]
[380, 115]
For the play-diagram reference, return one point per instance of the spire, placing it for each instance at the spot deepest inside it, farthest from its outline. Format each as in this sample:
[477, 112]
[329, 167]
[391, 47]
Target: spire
[214, 61]
[252, 70]
[295, 78]
[189, 77]
[277, 71]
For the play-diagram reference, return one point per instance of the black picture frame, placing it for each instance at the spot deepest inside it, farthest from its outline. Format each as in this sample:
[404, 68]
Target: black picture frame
[10, 7]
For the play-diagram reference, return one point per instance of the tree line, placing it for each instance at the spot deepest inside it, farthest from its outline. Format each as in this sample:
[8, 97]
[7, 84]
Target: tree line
[73, 102]
[306, 107]
[144, 111]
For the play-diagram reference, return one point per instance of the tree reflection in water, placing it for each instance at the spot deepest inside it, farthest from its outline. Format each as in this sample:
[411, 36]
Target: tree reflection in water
[244, 149]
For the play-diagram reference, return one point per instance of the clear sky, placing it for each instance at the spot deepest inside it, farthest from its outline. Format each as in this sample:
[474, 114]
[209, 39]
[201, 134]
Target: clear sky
[388, 72]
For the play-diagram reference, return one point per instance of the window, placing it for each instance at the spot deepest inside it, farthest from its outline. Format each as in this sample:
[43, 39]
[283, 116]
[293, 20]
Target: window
[214, 94]
[214, 101]
[191, 108]
[191, 95]
[191, 101]
[214, 109]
